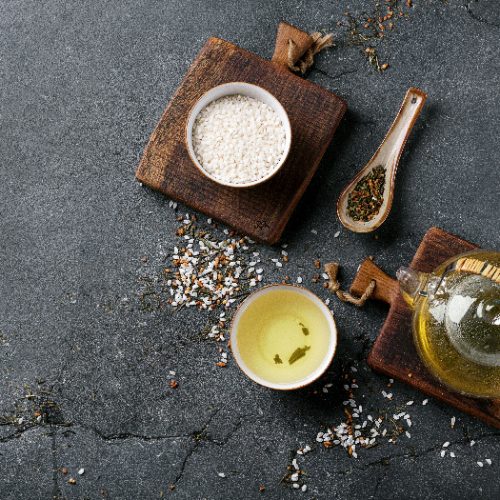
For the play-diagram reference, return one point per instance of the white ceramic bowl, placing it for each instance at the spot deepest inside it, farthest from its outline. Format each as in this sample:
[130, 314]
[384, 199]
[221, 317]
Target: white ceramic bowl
[246, 89]
[327, 358]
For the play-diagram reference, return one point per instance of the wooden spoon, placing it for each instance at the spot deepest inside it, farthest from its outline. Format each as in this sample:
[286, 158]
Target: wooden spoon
[387, 155]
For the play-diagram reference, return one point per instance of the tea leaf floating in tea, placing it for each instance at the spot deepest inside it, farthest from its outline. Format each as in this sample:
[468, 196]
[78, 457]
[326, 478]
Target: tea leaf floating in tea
[300, 352]
[277, 359]
[305, 330]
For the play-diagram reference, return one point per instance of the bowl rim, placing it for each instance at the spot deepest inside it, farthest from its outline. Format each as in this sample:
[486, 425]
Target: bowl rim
[192, 118]
[314, 375]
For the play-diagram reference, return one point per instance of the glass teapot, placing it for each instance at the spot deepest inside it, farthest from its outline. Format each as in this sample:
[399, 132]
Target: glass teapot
[456, 321]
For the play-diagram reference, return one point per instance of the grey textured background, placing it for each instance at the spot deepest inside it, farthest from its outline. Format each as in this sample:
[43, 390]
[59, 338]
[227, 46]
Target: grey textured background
[82, 86]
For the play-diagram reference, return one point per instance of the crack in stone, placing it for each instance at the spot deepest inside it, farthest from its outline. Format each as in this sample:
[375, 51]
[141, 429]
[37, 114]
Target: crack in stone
[386, 460]
[231, 433]
[11, 437]
[185, 461]
[338, 75]
[56, 490]
[478, 18]
[105, 437]
[380, 479]
[120, 436]
[195, 446]
[20, 431]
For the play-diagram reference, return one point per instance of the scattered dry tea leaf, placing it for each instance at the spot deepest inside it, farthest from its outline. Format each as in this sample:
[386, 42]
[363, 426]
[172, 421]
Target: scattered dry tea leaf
[365, 200]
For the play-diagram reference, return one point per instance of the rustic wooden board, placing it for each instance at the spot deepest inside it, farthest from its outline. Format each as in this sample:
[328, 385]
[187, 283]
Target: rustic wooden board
[394, 352]
[262, 211]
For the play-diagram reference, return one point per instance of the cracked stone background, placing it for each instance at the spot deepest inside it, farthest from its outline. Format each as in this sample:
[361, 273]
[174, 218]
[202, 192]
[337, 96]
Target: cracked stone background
[82, 87]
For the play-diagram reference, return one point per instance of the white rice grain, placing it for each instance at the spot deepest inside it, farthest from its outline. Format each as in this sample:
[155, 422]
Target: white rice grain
[238, 139]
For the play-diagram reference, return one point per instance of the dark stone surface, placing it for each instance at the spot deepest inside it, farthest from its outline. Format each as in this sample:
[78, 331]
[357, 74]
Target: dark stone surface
[83, 84]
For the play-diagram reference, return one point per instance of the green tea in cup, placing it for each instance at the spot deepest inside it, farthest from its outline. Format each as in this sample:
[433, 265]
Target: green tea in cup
[283, 337]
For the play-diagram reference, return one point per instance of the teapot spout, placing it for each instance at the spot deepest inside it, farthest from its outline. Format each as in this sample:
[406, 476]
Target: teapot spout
[411, 283]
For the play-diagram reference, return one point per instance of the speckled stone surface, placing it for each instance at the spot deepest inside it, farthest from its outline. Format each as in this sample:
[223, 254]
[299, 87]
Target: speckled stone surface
[83, 84]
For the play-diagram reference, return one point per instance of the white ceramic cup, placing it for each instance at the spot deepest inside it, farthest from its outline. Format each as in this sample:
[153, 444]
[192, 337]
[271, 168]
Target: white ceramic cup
[246, 89]
[329, 353]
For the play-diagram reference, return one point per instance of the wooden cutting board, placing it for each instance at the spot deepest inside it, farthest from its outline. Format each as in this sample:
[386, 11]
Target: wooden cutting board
[394, 352]
[262, 211]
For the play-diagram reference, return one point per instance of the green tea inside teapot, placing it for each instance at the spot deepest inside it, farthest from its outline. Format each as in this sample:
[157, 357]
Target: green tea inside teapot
[456, 321]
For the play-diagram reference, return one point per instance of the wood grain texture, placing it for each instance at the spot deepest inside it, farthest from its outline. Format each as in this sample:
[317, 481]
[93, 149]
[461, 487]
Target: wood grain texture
[394, 352]
[261, 211]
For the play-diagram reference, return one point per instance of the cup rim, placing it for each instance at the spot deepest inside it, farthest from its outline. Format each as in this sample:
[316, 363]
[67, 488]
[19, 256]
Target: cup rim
[322, 367]
[194, 112]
